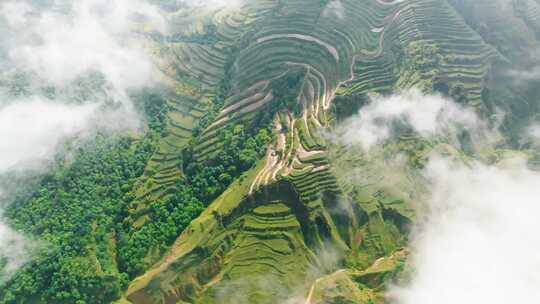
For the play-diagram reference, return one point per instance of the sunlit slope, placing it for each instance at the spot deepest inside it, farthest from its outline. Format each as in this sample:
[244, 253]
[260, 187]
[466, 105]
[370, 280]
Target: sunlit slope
[194, 61]
[307, 63]
[239, 187]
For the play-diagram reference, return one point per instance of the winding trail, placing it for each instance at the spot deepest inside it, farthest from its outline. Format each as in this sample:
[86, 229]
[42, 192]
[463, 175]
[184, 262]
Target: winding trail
[381, 40]
[312, 289]
[374, 265]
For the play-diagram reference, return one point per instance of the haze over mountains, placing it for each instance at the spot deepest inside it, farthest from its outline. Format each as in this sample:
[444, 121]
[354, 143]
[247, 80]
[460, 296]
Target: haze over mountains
[265, 151]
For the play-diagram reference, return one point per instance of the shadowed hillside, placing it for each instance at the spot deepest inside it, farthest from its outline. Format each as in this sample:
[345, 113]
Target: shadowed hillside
[240, 193]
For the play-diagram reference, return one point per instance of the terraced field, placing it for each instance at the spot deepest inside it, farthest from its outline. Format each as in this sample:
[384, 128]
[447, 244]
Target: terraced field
[242, 186]
[274, 222]
[348, 51]
[195, 72]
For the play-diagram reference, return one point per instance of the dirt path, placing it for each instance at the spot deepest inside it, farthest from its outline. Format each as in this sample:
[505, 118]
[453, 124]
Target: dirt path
[312, 289]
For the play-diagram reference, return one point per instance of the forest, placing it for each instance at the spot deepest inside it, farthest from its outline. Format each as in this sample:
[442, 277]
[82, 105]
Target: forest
[77, 210]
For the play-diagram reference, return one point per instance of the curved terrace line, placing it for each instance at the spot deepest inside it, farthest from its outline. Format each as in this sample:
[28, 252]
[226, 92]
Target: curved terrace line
[329, 47]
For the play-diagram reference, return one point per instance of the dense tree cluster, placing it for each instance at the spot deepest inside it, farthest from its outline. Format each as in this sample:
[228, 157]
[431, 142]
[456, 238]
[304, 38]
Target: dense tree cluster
[241, 149]
[202, 183]
[73, 213]
[78, 212]
[286, 90]
[168, 218]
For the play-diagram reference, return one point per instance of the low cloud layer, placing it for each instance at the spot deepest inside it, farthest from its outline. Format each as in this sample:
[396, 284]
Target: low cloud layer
[62, 42]
[14, 252]
[31, 130]
[334, 8]
[212, 4]
[67, 69]
[429, 116]
[479, 242]
[534, 132]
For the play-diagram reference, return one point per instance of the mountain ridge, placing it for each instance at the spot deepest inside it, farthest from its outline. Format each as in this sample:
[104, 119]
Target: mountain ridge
[239, 192]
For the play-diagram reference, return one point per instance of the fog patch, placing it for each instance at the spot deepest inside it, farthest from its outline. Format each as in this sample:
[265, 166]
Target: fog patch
[334, 8]
[14, 13]
[525, 74]
[31, 130]
[479, 244]
[240, 291]
[427, 115]
[534, 132]
[477, 238]
[212, 4]
[251, 287]
[16, 250]
[68, 69]
[58, 45]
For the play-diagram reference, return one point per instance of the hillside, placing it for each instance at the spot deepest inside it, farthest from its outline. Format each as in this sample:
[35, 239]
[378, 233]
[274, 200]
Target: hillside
[235, 192]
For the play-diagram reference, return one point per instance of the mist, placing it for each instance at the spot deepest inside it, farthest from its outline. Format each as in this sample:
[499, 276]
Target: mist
[31, 130]
[428, 116]
[480, 242]
[476, 240]
[334, 8]
[534, 132]
[69, 69]
[212, 4]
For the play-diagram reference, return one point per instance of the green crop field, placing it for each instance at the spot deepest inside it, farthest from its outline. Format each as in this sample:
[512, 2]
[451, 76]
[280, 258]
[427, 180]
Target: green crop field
[236, 191]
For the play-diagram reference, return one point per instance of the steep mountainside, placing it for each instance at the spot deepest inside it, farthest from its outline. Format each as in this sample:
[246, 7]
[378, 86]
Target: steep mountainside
[237, 194]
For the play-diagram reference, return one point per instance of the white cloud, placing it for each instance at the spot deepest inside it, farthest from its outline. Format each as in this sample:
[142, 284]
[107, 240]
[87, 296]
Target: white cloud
[523, 75]
[534, 132]
[334, 8]
[427, 115]
[94, 35]
[213, 4]
[478, 243]
[14, 252]
[56, 44]
[15, 13]
[31, 130]
[481, 242]
[30, 133]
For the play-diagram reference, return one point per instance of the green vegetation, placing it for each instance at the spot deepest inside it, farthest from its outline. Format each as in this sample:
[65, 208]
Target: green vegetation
[286, 91]
[242, 149]
[75, 212]
[420, 65]
[169, 217]
[203, 182]
[232, 179]
[207, 36]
